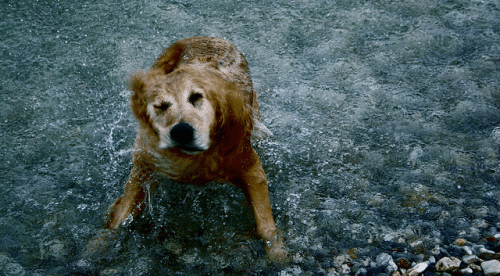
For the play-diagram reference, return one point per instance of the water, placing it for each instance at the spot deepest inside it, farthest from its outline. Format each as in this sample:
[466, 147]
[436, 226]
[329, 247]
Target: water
[385, 116]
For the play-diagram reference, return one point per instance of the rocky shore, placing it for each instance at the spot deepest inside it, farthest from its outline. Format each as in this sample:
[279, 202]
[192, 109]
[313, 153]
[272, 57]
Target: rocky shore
[463, 257]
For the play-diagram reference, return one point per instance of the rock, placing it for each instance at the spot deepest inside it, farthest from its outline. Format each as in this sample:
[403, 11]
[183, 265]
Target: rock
[466, 270]
[366, 262]
[491, 268]
[345, 269]
[297, 258]
[340, 260]
[448, 264]
[476, 248]
[460, 242]
[474, 236]
[361, 272]
[404, 263]
[10, 268]
[332, 272]
[385, 260]
[416, 243]
[491, 239]
[391, 267]
[431, 260]
[436, 250]
[52, 249]
[468, 250]
[485, 254]
[444, 253]
[341, 263]
[382, 259]
[395, 273]
[417, 269]
[454, 250]
[419, 258]
[470, 259]
[476, 268]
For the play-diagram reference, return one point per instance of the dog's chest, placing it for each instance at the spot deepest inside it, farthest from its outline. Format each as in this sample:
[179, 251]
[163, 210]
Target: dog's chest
[196, 170]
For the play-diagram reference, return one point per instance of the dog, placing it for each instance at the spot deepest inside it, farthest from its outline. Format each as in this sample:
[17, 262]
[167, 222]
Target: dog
[198, 112]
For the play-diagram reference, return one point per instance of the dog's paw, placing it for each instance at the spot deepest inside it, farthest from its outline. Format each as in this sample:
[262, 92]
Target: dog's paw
[276, 250]
[98, 244]
[278, 254]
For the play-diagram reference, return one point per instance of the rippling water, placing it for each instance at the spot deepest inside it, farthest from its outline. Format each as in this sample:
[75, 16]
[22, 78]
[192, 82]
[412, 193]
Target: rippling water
[385, 116]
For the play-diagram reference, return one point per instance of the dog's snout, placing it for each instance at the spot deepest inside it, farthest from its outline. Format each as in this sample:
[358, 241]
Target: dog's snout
[182, 133]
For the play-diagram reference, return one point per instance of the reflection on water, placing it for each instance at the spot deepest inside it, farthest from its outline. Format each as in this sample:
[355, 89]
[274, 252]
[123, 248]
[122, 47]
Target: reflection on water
[385, 118]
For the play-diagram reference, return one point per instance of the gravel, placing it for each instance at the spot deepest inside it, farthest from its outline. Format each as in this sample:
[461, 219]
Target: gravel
[462, 257]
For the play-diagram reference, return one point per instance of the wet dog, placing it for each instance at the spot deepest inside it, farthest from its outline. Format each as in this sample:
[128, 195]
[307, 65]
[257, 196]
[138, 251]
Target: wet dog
[197, 112]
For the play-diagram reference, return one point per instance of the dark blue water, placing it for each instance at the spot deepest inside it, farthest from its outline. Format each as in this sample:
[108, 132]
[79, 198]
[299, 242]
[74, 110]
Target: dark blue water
[385, 114]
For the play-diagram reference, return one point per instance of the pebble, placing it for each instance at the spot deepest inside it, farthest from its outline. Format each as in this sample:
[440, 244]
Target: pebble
[385, 260]
[467, 250]
[448, 264]
[474, 237]
[333, 272]
[362, 272]
[460, 258]
[491, 268]
[404, 263]
[466, 270]
[477, 247]
[485, 254]
[460, 242]
[436, 250]
[469, 259]
[345, 269]
[417, 269]
[431, 260]
[476, 268]
[491, 239]
[340, 260]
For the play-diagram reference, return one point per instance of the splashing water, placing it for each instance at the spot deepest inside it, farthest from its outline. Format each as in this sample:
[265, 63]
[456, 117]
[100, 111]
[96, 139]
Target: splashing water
[385, 117]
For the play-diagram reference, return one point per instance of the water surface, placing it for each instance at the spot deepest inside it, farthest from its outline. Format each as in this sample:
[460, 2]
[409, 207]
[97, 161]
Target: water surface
[385, 117]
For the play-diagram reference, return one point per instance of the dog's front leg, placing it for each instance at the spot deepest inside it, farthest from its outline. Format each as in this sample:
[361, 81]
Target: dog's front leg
[125, 208]
[131, 203]
[253, 182]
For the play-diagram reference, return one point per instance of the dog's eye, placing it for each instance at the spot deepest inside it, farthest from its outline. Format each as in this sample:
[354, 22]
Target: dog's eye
[162, 106]
[195, 98]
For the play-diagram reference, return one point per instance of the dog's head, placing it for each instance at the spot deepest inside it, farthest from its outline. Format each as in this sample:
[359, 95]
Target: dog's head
[190, 108]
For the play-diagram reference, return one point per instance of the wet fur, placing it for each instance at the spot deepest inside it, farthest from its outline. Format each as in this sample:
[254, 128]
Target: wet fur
[223, 119]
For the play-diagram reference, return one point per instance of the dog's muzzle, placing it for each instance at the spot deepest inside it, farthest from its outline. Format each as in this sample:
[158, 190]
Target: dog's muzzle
[183, 134]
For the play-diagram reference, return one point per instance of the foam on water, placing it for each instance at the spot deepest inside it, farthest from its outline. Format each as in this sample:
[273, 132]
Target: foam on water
[385, 117]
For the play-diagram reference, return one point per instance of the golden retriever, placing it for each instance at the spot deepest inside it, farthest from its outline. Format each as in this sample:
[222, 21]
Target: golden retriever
[197, 112]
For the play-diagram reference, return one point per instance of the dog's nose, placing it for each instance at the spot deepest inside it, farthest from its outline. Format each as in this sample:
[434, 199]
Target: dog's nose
[182, 133]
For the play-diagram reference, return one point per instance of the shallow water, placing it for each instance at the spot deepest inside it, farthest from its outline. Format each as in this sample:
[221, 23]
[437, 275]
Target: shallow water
[385, 117]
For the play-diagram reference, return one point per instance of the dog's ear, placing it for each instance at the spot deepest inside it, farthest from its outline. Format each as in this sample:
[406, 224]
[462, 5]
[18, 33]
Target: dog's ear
[170, 58]
[234, 117]
[138, 101]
